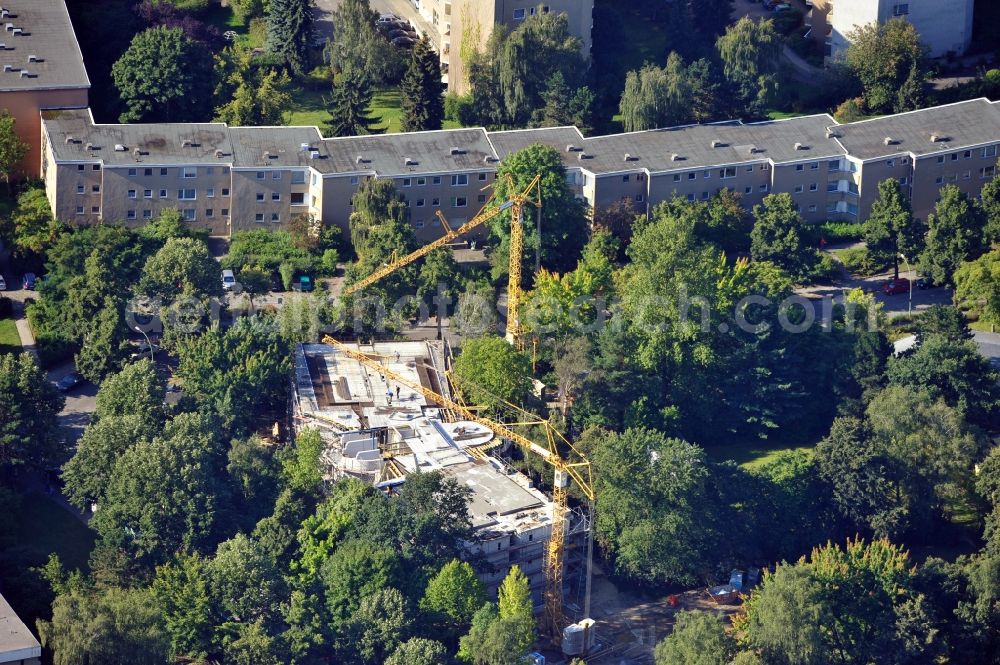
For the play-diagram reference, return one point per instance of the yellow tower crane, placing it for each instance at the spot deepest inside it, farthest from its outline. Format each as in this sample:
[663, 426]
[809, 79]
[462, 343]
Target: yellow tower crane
[563, 471]
[532, 194]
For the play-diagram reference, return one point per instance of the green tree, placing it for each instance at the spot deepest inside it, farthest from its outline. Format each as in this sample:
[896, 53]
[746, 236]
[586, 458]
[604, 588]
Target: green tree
[290, 32]
[349, 104]
[490, 371]
[12, 148]
[778, 237]
[105, 440]
[181, 266]
[419, 651]
[260, 99]
[977, 285]
[564, 106]
[105, 344]
[564, 225]
[655, 97]
[514, 606]
[136, 391]
[891, 230]
[423, 92]
[493, 640]
[254, 645]
[183, 600]
[34, 230]
[164, 77]
[454, 595]
[889, 61]
[750, 51]
[355, 570]
[379, 625]
[111, 626]
[244, 581]
[29, 433]
[989, 200]
[698, 638]
[357, 45]
[955, 234]
[945, 320]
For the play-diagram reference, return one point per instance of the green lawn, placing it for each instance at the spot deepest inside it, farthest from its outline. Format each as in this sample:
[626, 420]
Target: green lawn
[224, 19]
[10, 341]
[750, 455]
[783, 115]
[310, 108]
[45, 528]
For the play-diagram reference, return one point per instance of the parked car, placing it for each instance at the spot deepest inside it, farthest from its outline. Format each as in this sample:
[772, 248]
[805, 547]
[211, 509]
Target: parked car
[3, 284]
[303, 284]
[781, 7]
[28, 282]
[388, 18]
[894, 286]
[404, 42]
[68, 382]
[400, 32]
[228, 280]
[925, 283]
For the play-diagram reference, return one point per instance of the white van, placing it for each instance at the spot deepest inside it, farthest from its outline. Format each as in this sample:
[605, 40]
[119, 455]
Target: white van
[228, 280]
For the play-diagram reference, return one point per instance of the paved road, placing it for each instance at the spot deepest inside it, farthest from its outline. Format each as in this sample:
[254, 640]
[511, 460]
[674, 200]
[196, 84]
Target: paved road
[402, 8]
[989, 346]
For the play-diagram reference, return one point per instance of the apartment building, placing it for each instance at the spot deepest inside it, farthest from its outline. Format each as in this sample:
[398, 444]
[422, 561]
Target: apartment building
[42, 68]
[945, 26]
[17, 644]
[466, 25]
[226, 179]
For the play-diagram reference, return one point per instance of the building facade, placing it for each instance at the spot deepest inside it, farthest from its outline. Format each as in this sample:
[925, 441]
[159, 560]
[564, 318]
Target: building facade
[42, 68]
[945, 26]
[227, 179]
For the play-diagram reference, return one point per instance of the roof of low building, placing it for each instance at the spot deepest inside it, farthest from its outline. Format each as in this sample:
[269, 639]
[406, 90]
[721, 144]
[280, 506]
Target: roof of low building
[277, 146]
[952, 126]
[389, 155]
[39, 48]
[16, 641]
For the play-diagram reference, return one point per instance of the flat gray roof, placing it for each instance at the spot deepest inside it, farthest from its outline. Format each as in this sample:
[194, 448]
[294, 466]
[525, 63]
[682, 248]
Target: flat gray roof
[45, 53]
[442, 151]
[968, 123]
[71, 132]
[654, 150]
[275, 146]
[16, 641]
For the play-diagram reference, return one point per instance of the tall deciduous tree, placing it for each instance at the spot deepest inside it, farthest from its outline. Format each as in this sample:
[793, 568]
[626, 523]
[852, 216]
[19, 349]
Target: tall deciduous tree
[419, 651]
[290, 32]
[453, 596]
[489, 370]
[260, 99]
[164, 77]
[349, 106]
[989, 199]
[888, 60]
[12, 148]
[29, 404]
[698, 638]
[777, 235]
[955, 234]
[655, 97]
[181, 266]
[977, 284]
[89, 470]
[423, 100]
[750, 51]
[891, 230]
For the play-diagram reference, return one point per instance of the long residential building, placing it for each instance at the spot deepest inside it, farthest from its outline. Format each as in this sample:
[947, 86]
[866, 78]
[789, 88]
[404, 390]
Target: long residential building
[227, 179]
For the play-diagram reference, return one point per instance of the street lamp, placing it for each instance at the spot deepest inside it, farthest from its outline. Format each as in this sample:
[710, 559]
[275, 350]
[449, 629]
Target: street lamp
[148, 343]
[909, 306]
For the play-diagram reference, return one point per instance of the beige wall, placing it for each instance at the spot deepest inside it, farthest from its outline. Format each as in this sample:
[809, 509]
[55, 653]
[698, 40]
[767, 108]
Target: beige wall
[26, 106]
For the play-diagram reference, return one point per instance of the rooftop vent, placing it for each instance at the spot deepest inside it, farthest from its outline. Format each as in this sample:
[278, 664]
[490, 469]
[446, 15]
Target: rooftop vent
[630, 158]
[3, 46]
[801, 146]
[937, 138]
[456, 151]
[137, 152]
[25, 74]
[753, 150]
[219, 152]
[33, 58]
[4, 13]
[120, 148]
[314, 154]
[675, 157]
[573, 148]
[888, 140]
[269, 155]
[409, 162]
[304, 147]
[17, 31]
[8, 68]
[489, 159]
[70, 139]
[582, 156]
[830, 134]
[718, 144]
[9, 26]
[360, 159]
[186, 143]
[89, 146]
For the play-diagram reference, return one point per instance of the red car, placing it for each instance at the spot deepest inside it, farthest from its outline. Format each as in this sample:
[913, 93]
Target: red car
[894, 286]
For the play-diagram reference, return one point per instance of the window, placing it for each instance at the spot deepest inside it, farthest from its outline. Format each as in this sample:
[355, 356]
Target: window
[147, 172]
[967, 154]
[625, 178]
[813, 166]
[188, 214]
[458, 180]
[813, 187]
[298, 177]
[275, 217]
[259, 217]
[130, 214]
[458, 202]
[186, 194]
[95, 209]
[763, 187]
[189, 172]
[481, 198]
[832, 187]
[315, 179]
[765, 167]
[747, 190]
[436, 180]
[79, 167]
[275, 196]
[812, 208]
[209, 212]
[904, 180]
[95, 167]
[482, 177]
[147, 214]
[420, 203]
[967, 175]
[225, 212]
[435, 201]
[707, 175]
[954, 156]
[79, 210]
[131, 193]
[940, 159]
[210, 192]
[225, 170]
[210, 170]
[354, 180]
[164, 171]
[225, 191]
[421, 182]
[904, 160]
[677, 177]
[692, 176]
[260, 196]
[96, 189]
[690, 197]
[639, 198]
[133, 171]
[275, 175]
[728, 172]
[901, 9]
[799, 167]
[406, 182]
[704, 196]
[519, 14]
[419, 223]
[939, 180]
[79, 189]
[260, 176]
[833, 165]
[987, 172]
[749, 169]
[990, 151]
[163, 193]
[798, 189]
[298, 198]
[147, 193]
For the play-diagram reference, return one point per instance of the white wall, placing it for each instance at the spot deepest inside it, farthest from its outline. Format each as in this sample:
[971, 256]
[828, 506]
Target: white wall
[944, 25]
